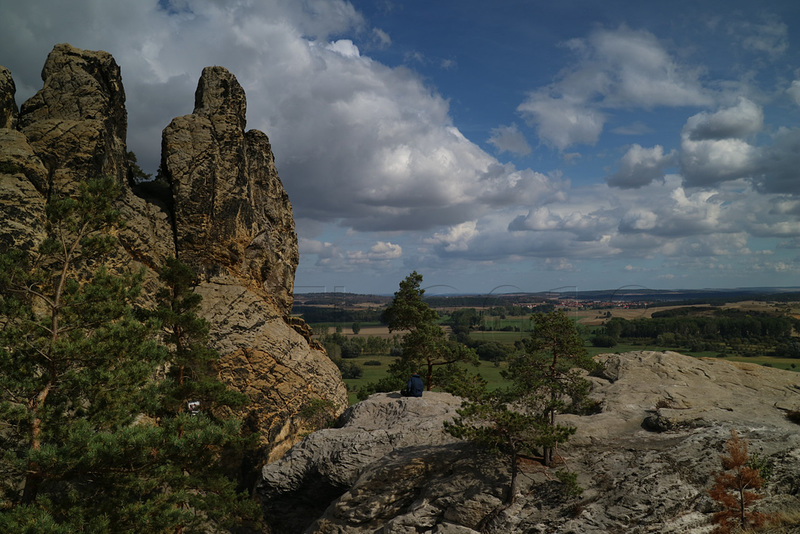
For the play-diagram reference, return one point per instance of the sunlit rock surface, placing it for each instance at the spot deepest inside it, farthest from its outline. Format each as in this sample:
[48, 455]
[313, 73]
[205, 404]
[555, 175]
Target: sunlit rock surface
[645, 461]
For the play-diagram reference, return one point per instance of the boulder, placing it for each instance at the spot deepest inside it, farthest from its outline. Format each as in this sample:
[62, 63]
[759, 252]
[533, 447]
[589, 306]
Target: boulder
[666, 390]
[328, 462]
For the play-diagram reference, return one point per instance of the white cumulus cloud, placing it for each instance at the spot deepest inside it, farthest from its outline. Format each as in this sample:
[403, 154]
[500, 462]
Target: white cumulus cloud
[616, 69]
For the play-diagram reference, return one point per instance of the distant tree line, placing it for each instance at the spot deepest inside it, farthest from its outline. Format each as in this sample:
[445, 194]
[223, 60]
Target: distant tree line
[342, 350]
[706, 329]
[316, 314]
[723, 324]
[463, 321]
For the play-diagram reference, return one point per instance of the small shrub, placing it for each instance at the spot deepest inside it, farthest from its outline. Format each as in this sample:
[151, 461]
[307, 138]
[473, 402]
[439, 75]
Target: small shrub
[350, 349]
[603, 340]
[569, 481]
[349, 369]
[372, 362]
[761, 464]
[7, 167]
[665, 403]
[318, 412]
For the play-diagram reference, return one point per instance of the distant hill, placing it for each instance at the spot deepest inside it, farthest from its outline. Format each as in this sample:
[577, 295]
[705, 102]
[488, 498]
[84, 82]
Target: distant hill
[349, 301]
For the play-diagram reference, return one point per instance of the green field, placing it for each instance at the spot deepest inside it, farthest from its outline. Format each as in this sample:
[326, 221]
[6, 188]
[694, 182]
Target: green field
[491, 373]
[372, 373]
[519, 329]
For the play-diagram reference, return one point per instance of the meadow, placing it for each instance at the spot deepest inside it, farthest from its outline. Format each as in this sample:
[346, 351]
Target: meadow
[509, 329]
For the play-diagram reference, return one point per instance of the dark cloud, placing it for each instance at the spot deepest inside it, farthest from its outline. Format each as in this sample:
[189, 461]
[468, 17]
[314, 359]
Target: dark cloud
[641, 166]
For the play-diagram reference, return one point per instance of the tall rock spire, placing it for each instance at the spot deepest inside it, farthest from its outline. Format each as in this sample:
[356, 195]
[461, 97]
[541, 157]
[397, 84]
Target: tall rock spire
[232, 214]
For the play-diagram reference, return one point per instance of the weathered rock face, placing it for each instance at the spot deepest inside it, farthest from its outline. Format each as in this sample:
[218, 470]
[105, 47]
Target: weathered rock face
[327, 463]
[77, 123]
[21, 203]
[636, 480]
[228, 216]
[8, 106]
[266, 358]
[233, 224]
[231, 211]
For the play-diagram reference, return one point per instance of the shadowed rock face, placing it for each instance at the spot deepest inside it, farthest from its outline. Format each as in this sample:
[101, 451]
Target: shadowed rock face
[8, 106]
[228, 216]
[390, 468]
[231, 211]
[321, 468]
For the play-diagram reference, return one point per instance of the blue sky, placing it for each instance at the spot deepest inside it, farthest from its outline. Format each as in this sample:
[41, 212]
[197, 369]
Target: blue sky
[529, 144]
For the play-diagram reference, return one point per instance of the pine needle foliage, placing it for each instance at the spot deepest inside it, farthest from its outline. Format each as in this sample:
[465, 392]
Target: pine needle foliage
[425, 345]
[192, 375]
[90, 441]
[548, 377]
[520, 419]
[489, 420]
[736, 489]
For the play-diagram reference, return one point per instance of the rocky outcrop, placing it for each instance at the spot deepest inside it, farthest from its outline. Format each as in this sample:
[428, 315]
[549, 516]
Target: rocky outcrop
[233, 224]
[21, 203]
[231, 211]
[637, 476]
[77, 123]
[328, 462]
[225, 213]
[266, 358]
[8, 106]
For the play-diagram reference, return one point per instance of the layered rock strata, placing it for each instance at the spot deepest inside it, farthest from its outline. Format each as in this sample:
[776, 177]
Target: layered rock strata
[226, 214]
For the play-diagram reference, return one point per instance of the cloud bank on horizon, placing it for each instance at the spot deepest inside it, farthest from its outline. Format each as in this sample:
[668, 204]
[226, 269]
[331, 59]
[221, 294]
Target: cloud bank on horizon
[534, 147]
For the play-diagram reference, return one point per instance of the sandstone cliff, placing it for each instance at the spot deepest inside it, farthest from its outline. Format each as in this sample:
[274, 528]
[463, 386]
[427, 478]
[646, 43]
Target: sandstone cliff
[226, 214]
[645, 461]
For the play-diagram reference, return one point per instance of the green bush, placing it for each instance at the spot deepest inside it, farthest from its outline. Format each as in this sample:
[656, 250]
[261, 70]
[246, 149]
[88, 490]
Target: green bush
[604, 340]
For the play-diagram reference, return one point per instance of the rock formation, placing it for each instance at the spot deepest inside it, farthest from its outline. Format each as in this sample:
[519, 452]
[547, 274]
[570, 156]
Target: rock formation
[645, 461]
[231, 210]
[328, 462]
[226, 214]
[8, 106]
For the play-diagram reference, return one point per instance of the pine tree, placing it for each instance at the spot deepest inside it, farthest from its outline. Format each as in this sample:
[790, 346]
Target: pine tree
[489, 420]
[90, 441]
[547, 378]
[194, 410]
[73, 360]
[520, 419]
[736, 489]
[425, 344]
